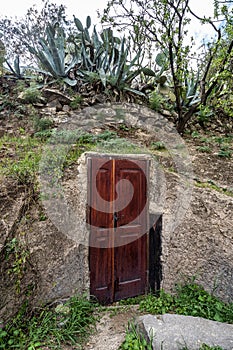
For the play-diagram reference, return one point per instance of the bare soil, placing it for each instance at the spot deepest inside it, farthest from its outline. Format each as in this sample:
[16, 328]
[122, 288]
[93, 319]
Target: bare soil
[111, 329]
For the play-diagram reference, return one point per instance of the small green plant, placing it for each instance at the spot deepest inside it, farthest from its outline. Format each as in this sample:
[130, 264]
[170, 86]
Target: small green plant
[156, 101]
[212, 185]
[159, 146]
[204, 114]
[76, 102]
[207, 347]
[195, 134]
[105, 136]
[31, 94]
[193, 300]
[204, 149]
[134, 340]
[119, 145]
[18, 255]
[123, 127]
[225, 153]
[42, 124]
[132, 301]
[157, 305]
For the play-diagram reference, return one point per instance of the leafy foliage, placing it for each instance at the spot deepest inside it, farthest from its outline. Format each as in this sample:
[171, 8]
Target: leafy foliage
[190, 299]
[134, 340]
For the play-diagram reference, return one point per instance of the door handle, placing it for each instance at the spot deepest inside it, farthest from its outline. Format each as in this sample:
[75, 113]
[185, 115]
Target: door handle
[115, 218]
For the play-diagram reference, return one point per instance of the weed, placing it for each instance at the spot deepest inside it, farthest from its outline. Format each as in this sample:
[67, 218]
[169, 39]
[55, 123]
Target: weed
[195, 134]
[157, 305]
[76, 102]
[204, 139]
[132, 301]
[123, 127]
[43, 135]
[156, 101]
[159, 146]
[204, 149]
[204, 114]
[66, 324]
[207, 347]
[106, 135]
[190, 299]
[225, 153]
[212, 185]
[120, 145]
[30, 94]
[7, 103]
[21, 158]
[42, 124]
[19, 254]
[134, 340]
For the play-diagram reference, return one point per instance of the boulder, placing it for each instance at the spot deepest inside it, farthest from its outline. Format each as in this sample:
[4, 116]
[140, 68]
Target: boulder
[176, 332]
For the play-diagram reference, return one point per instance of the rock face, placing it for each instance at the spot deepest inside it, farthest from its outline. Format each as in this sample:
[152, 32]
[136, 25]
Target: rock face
[176, 332]
[202, 245]
[197, 233]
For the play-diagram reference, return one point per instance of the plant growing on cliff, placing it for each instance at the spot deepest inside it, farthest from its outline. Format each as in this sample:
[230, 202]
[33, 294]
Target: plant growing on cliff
[17, 253]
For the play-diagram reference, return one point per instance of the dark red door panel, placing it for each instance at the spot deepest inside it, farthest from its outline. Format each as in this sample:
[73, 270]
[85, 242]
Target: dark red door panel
[118, 225]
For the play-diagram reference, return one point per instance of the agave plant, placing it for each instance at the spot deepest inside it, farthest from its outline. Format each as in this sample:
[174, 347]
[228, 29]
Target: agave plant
[191, 91]
[51, 55]
[15, 69]
[104, 60]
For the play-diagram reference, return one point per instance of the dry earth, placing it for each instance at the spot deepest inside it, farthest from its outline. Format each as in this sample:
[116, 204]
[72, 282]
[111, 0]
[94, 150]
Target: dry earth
[111, 329]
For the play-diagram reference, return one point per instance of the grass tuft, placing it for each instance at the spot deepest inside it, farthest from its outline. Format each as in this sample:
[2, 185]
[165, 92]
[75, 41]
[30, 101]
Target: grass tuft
[66, 324]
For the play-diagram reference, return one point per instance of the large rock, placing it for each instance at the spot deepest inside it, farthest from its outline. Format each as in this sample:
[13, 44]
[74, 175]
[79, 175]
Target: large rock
[176, 332]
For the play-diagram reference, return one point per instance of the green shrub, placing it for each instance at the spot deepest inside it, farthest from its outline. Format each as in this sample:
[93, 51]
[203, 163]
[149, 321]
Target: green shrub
[42, 124]
[157, 305]
[156, 101]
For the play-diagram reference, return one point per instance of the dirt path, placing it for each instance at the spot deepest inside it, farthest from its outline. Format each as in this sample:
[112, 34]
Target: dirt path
[111, 329]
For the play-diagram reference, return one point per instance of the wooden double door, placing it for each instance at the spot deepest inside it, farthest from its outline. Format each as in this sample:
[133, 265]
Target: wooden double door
[118, 218]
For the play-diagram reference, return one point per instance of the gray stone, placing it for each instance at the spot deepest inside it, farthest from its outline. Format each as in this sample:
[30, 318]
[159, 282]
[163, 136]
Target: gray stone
[2, 132]
[66, 108]
[55, 104]
[175, 332]
[51, 94]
